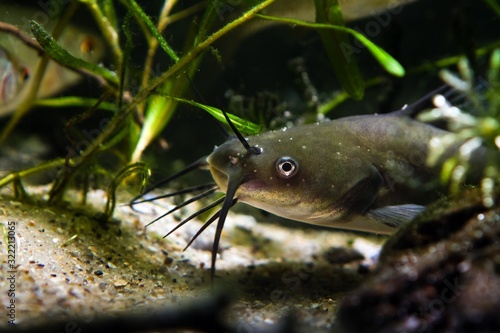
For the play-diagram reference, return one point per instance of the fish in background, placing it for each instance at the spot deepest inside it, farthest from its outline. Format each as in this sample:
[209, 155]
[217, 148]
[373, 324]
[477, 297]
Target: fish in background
[305, 10]
[12, 77]
[19, 62]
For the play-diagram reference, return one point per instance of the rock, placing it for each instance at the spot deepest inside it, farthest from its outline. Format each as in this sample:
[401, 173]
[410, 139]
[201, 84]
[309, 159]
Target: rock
[441, 273]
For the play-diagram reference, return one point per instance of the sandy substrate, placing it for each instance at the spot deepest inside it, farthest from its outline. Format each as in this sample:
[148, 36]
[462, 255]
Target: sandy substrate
[70, 265]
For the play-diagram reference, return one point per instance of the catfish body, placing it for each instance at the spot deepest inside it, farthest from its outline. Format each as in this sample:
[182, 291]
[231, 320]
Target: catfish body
[362, 172]
[367, 173]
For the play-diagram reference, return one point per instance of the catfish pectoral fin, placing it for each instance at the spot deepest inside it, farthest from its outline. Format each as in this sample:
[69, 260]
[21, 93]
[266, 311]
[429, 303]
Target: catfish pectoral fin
[395, 216]
[362, 193]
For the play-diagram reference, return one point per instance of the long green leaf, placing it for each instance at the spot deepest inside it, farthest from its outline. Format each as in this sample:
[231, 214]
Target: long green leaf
[156, 85]
[154, 31]
[62, 56]
[335, 42]
[108, 8]
[390, 64]
[494, 6]
[75, 101]
[244, 126]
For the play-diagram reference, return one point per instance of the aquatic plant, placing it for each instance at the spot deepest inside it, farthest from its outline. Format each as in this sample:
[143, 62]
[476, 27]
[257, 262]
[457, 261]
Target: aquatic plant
[474, 125]
[140, 113]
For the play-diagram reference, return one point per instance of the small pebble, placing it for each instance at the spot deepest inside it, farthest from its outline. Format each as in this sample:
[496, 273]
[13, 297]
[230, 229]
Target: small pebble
[98, 272]
[75, 292]
[342, 255]
[110, 265]
[120, 283]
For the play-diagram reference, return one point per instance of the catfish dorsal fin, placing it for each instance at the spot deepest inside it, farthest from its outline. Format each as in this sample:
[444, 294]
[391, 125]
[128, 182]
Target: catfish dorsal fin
[413, 109]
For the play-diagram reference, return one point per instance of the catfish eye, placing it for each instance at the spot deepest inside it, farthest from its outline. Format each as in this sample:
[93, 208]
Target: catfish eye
[286, 167]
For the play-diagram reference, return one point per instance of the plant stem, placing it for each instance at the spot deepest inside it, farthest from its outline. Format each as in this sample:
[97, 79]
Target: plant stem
[25, 173]
[108, 31]
[153, 45]
[121, 116]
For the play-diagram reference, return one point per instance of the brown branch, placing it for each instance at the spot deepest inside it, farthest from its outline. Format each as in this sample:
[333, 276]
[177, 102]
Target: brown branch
[21, 35]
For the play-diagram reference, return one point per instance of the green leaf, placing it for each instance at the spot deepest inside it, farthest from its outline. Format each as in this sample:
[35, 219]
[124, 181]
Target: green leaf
[244, 126]
[108, 9]
[336, 43]
[390, 64]
[62, 56]
[493, 91]
[494, 6]
[188, 59]
[154, 31]
[75, 101]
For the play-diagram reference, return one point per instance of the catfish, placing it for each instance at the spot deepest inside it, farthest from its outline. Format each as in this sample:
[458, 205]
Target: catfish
[366, 173]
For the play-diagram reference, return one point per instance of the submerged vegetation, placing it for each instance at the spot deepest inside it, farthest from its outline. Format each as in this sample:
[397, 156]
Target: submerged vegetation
[137, 110]
[140, 113]
[150, 59]
[476, 123]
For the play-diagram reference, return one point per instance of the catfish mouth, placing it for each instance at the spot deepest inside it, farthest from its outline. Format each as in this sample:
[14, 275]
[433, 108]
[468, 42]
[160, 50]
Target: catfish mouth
[247, 184]
[220, 177]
